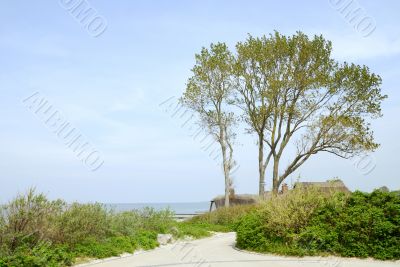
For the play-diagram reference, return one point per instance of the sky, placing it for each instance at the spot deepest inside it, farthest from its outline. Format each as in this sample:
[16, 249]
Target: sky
[116, 82]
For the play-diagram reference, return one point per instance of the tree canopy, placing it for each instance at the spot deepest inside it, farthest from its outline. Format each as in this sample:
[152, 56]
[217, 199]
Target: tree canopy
[207, 93]
[290, 91]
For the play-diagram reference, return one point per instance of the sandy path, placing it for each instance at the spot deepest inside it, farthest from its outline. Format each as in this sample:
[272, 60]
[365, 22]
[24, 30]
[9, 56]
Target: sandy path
[219, 251]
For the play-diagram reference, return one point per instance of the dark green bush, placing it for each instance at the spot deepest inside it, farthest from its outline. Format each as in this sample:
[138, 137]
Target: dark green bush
[250, 232]
[361, 225]
[42, 254]
[146, 240]
[108, 247]
[368, 225]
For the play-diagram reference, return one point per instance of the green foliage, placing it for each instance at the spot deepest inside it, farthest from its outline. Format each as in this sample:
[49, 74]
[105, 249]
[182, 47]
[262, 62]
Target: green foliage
[82, 221]
[128, 223]
[199, 229]
[37, 232]
[146, 240]
[42, 254]
[194, 230]
[368, 225]
[225, 216]
[109, 247]
[360, 225]
[210, 86]
[28, 218]
[207, 94]
[287, 214]
[279, 220]
[250, 232]
[292, 91]
[220, 220]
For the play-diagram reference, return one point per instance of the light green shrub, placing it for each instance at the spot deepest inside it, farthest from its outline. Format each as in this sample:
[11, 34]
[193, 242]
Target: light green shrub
[148, 219]
[29, 218]
[82, 221]
[287, 214]
[223, 216]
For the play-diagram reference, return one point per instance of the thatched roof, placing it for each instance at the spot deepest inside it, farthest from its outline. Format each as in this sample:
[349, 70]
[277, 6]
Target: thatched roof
[246, 199]
[243, 199]
[239, 196]
[330, 185]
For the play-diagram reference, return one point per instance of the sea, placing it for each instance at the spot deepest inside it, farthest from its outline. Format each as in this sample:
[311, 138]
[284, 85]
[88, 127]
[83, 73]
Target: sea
[178, 208]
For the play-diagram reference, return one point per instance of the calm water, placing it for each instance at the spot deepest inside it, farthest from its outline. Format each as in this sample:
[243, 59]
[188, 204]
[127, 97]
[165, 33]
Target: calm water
[178, 208]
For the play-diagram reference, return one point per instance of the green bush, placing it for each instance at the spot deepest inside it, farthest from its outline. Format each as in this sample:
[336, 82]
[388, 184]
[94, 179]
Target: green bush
[159, 221]
[27, 220]
[279, 220]
[368, 225]
[190, 229]
[146, 240]
[126, 223]
[220, 220]
[360, 225]
[108, 247]
[37, 232]
[81, 221]
[42, 254]
[223, 216]
[250, 232]
[148, 219]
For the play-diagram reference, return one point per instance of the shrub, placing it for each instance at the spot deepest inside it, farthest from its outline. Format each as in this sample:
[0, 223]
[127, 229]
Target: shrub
[220, 220]
[158, 221]
[130, 222]
[37, 232]
[367, 225]
[42, 254]
[112, 246]
[192, 230]
[28, 219]
[146, 239]
[126, 223]
[360, 225]
[223, 216]
[250, 232]
[291, 211]
[82, 221]
[280, 219]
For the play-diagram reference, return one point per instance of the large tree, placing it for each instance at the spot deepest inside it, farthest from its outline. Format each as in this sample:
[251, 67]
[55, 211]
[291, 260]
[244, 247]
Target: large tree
[207, 93]
[292, 91]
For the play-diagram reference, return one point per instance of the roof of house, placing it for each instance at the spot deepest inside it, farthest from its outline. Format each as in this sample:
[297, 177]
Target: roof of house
[239, 196]
[336, 185]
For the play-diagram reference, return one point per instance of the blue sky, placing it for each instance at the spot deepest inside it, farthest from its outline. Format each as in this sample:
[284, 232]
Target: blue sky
[110, 88]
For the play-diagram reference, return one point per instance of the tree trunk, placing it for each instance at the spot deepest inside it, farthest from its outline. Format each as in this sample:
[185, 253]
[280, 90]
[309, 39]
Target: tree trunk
[225, 167]
[275, 176]
[261, 170]
[227, 185]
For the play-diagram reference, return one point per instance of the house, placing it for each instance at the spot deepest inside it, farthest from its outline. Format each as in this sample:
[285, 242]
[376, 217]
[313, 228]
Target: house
[247, 199]
[240, 199]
